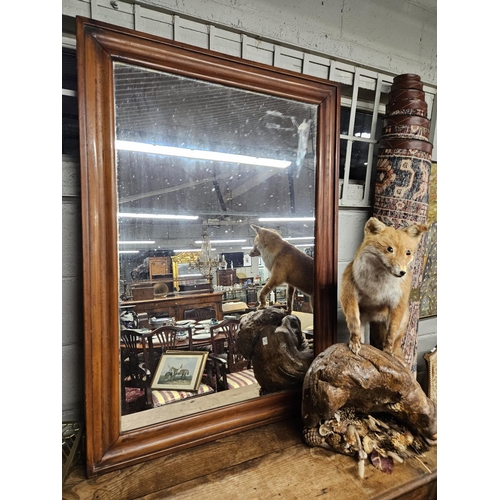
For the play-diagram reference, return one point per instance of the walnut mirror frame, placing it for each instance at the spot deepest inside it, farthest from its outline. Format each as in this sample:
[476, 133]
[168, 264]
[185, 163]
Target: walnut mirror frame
[99, 46]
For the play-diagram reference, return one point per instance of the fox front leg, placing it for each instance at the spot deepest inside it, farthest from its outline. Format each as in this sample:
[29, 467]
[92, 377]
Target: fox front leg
[397, 325]
[356, 329]
[262, 300]
[290, 290]
[350, 306]
[266, 289]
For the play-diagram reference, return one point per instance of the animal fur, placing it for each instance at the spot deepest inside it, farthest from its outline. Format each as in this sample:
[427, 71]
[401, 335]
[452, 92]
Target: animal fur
[376, 286]
[286, 263]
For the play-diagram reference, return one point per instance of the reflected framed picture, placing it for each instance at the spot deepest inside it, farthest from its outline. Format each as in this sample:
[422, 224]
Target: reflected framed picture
[180, 370]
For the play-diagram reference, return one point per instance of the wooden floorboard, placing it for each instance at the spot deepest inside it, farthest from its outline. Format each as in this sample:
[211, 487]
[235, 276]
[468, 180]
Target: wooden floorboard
[265, 463]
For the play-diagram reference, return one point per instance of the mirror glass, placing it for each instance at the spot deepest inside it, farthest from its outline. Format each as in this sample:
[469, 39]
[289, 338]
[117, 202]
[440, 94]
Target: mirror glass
[196, 164]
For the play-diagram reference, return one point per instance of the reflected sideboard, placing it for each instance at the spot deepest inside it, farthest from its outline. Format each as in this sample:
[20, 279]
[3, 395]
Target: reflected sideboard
[176, 305]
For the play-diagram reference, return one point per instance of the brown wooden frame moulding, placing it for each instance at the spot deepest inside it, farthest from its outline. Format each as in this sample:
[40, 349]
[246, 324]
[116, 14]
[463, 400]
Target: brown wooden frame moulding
[99, 45]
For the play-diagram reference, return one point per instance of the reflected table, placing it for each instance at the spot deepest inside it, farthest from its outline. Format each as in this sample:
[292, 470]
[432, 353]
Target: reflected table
[195, 338]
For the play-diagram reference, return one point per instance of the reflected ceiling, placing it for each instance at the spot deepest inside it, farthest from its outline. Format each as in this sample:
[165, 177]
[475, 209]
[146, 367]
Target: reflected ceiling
[162, 109]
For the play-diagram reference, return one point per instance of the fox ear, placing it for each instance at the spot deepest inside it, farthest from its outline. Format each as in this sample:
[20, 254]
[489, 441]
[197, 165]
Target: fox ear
[374, 226]
[416, 230]
[255, 228]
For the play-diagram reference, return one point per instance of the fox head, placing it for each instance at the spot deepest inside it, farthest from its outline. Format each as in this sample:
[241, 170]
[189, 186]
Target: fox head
[395, 248]
[263, 238]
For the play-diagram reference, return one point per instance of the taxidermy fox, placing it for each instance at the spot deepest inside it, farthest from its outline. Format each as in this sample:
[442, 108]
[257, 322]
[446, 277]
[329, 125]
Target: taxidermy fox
[376, 286]
[286, 263]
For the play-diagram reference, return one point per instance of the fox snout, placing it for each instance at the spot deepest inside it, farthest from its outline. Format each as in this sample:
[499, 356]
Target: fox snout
[398, 272]
[254, 252]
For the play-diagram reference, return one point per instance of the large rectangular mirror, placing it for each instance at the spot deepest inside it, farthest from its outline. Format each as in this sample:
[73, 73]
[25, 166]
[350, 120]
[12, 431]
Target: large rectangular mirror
[183, 150]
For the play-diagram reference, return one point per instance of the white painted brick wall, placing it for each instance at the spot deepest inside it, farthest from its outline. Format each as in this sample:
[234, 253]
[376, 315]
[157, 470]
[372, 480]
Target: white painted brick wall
[393, 36]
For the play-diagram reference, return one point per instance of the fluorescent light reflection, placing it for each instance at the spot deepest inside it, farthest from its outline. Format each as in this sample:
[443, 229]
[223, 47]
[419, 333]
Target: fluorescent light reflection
[305, 245]
[199, 154]
[286, 219]
[158, 216]
[128, 251]
[223, 241]
[136, 242]
[192, 250]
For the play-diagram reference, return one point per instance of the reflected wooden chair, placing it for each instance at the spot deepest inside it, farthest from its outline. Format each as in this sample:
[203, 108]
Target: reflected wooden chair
[165, 336]
[232, 369]
[136, 374]
[228, 328]
[156, 342]
[200, 313]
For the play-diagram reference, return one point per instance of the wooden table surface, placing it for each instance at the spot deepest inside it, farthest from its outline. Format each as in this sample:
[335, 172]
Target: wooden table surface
[266, 463]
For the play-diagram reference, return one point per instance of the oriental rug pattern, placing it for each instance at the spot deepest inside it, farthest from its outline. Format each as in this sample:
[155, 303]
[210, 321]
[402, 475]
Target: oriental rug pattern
[402, 199]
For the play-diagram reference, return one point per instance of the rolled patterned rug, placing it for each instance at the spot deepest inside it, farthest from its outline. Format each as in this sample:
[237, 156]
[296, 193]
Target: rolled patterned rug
[407, 127]
[407, 97]
[402, 186]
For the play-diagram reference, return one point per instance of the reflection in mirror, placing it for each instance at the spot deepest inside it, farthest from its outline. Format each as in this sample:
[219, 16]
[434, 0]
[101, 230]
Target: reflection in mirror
[197, 163]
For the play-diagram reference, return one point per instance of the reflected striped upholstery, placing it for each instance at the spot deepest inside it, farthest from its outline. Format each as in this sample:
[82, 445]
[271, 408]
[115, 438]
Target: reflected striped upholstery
[240, 379]
[163, 397]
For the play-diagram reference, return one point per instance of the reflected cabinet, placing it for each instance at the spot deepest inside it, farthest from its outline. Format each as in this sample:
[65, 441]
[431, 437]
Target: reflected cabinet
[226, 277]
[182, 150]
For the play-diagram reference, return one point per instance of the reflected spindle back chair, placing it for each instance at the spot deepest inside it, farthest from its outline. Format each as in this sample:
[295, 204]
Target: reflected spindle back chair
[165, 337]
[233, 370]
[135, 367]
[228, 327]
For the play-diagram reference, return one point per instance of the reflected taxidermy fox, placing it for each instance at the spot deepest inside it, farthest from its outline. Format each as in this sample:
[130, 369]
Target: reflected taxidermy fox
[286, 263]
[376, 286]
